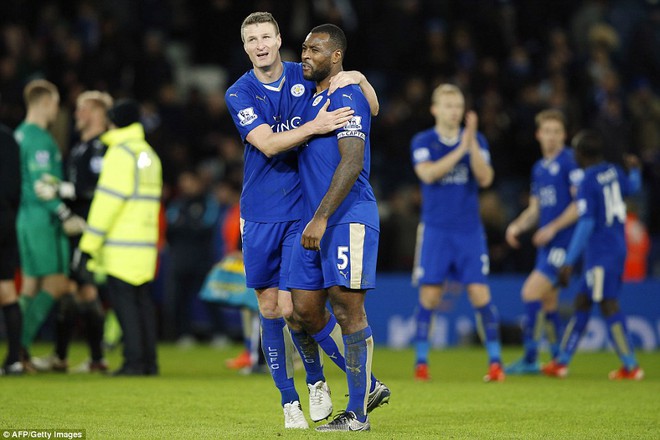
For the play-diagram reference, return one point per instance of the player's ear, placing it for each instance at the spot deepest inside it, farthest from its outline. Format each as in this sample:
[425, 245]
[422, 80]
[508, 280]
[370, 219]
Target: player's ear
[337, 56]
[279, 41]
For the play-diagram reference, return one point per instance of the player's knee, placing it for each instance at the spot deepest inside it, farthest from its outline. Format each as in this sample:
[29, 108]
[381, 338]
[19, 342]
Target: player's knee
[67, 308]
[307, 318]
[609, 307]
[528, 293]
[583, 303]
[286, 310]
[269, 310]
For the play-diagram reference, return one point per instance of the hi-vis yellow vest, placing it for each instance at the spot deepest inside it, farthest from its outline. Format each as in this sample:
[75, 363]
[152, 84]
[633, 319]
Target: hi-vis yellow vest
[122, 226]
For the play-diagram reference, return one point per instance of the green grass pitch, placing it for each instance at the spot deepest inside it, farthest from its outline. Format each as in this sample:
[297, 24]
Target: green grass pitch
[196, 397]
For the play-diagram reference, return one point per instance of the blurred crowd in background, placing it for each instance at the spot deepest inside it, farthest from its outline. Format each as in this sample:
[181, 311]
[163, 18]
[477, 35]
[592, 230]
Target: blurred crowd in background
[598, 61]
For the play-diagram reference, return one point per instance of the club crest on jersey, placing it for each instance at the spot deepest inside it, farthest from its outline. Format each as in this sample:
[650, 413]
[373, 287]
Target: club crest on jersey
[554, 168]
[246, 116]
[297, 90]
[317, 100]
[354, 124]
[42, 157]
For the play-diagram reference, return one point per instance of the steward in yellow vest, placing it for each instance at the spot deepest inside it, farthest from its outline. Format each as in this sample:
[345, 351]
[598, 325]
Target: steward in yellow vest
[122, 227]
[122, 231]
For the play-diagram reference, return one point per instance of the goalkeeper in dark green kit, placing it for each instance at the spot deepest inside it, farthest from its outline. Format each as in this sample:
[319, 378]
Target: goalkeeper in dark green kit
[41, 226]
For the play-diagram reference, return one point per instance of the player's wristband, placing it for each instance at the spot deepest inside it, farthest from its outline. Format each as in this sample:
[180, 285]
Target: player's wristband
[63, 212]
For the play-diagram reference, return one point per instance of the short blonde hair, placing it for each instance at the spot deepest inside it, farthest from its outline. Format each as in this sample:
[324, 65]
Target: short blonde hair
[258, 18]
[550, 115]
[100, 99]
[36, 89]
[445, 89]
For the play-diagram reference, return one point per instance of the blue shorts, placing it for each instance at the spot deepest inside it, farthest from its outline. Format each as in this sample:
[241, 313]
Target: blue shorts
[602, 282]
[441, 255]
[549, 260]
[267, 252]
[347, 258]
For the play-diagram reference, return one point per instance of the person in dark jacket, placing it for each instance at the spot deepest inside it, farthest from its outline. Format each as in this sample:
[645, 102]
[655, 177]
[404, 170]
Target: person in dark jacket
[10, 194]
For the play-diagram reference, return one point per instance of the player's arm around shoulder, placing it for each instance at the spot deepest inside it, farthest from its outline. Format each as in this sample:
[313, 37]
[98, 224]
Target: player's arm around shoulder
[348, 77]
[271, 143]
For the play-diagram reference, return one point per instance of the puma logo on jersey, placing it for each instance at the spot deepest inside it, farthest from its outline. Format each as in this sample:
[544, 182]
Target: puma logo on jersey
[262, 98]
[350, 96]
[235, 95]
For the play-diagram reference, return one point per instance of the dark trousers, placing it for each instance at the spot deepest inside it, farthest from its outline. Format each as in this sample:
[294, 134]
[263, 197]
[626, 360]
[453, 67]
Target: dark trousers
[137, 317]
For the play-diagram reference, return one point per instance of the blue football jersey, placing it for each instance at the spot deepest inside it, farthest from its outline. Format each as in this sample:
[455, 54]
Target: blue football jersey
[271, 186]
[451, 202]
[552, 180]
[320, 157]
[600, 197]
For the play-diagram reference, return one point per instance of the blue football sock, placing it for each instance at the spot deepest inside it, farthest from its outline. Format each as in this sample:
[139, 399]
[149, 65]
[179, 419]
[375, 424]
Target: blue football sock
[532, 330]
[358, 353]
[552, 332]
[310, 355]
[272, 341]
[574, 331]
[331, 341]
[488, 326]
[423, 318]
[621, 341]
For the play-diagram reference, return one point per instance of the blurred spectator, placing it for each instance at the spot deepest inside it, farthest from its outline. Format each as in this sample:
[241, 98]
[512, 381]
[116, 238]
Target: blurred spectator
[191, 217]
[638, 244]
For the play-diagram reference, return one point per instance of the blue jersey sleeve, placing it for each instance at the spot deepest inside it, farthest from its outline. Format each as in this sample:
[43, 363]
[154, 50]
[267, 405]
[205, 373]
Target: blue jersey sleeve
[483, 146]
[586, 202]
[244, 111]
[575, 173]
[419, 149]
[360, 124]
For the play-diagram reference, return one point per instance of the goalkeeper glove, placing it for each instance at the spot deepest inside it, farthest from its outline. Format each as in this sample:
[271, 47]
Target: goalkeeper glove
[48, 187]
[71, 223]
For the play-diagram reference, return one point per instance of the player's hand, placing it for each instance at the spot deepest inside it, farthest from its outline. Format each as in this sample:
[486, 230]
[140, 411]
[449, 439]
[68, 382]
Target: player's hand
[471, 122]
[343, 79]
[79, 261]
[564, 275]
[511, 236]
[544, 236]
[74, 225]
[326, 122]
[313, 233]
[46, 187]
[631, 161]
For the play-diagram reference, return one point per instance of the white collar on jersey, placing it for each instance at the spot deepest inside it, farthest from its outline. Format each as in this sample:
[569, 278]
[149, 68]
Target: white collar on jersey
[274, 86]
[450, 141]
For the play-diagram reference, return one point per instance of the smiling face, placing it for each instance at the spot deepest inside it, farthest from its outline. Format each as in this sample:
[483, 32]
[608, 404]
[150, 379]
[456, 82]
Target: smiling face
[262, 43]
